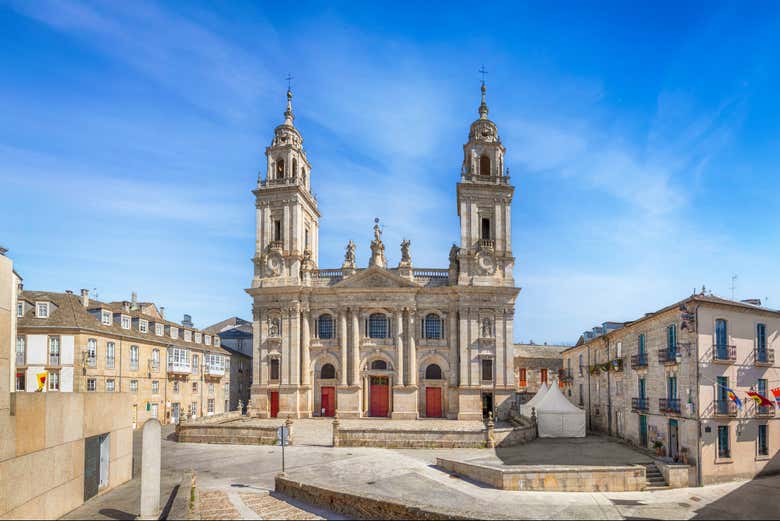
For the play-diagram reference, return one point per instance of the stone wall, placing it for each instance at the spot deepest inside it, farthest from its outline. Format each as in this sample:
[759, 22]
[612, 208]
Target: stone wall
[44, 478]
[227, 429]
[411, 439]
[355, 506]
[552, 478]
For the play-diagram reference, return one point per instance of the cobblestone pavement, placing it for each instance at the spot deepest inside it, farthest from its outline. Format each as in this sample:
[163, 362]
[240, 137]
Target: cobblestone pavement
[219, 504]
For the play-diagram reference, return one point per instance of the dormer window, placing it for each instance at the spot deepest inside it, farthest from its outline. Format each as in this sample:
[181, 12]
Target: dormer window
[125, 322]
[207, 340]
[216, 341]
[198, 338]
[105, 317]
[174, 332]
[143, 326]
[187, 335]
[42, 309]
[159, 329]
[20, 309]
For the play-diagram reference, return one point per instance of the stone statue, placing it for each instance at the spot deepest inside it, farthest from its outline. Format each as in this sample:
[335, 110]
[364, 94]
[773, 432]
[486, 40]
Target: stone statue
[454, 256]
[377, 248]
[306, 262]
[406, 258]
[473, 161]
[274, 327]
[377, 231]
[487, 329]
[349, 257]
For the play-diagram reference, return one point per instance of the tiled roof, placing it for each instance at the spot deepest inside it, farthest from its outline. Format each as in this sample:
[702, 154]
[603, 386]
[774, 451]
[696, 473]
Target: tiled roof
[228, 323]
[538, 351]
[68, 312]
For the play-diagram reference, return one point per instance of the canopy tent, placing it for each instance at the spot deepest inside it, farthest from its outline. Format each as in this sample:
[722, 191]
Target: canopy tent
[557, 417]
[525, 409]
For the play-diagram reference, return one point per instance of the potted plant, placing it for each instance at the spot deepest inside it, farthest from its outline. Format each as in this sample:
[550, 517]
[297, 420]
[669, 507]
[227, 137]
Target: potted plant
[659, 448]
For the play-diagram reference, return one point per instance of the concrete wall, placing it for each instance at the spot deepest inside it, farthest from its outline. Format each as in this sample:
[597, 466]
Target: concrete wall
[43, 478]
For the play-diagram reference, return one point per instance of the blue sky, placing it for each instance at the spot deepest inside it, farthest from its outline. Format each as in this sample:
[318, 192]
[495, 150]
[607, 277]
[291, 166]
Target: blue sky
[642, 141]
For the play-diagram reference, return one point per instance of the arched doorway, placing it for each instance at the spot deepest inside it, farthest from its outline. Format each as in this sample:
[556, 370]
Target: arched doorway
[379, 390]
[433, 392]
[328, 392]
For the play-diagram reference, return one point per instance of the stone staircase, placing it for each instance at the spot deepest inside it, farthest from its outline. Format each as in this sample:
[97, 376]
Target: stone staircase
[655, 480]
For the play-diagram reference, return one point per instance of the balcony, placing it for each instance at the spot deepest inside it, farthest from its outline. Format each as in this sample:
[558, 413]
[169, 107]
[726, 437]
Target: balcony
[668, 355]
[724, 354]
[765, 357]
[214, 370]
[54, 360]
[639, 361]
[179, 367]
[486, 179]
[765, 411]
[487, 244]
[640, 404]
[669, 405]
[277, 245]
[725, 408]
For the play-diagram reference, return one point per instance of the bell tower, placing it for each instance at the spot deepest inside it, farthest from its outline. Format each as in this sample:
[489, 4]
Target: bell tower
[287, 226]
[484, 207]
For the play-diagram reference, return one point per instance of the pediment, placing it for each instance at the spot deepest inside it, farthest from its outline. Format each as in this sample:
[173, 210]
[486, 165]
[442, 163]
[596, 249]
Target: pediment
[375, 278]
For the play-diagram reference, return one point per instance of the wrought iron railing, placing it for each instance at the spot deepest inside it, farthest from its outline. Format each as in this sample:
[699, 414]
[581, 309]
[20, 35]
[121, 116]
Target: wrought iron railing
[724, 353]
[669, 405]
[639, 360]
[725, 408]
[640, 404]
[765, 357]
[668, 355]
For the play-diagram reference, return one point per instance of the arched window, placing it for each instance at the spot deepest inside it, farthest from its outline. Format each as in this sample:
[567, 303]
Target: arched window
[325, 327]
[380, 365]
[432, 327]
[485, 228]
[378, 326]
[484, 165]
[280, 169]
[328, 372]
[433, 372]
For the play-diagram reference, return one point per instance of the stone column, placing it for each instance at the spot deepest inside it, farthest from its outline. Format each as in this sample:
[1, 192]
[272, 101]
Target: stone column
[257, 374]
[343, 343]
[452, 320]
[305, 341]
[355, 348]
[412, 351]
[151, 448]
[463, 348]
[399, 345]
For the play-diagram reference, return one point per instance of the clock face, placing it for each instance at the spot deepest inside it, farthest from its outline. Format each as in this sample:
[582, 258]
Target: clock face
[486, 264]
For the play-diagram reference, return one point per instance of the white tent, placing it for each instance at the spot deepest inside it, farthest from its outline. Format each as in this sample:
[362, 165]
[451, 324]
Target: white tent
[525, 409]
[557, 417]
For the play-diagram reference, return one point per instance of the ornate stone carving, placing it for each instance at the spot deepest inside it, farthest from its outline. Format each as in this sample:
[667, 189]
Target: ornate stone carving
[274, 327]
[377, 248]
[349, 256]
[273, 264]
[486, 263]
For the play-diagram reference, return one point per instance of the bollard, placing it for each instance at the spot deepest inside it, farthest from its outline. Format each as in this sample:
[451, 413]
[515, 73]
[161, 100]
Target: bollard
[289, 423]
[150, 469]
[336, 431]
[491, 439]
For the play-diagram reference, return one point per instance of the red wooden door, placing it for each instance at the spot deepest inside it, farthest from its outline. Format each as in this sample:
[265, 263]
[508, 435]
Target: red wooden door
[274, 404]
[328, 401]
[380, 396]
[433, 402]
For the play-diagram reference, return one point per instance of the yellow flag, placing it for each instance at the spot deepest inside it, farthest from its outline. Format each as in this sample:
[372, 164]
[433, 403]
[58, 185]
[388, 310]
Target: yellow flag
[42, 380]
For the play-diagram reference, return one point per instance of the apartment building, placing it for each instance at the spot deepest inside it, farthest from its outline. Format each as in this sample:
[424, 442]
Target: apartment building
[173, 370]
[664, 379]
[235, 336]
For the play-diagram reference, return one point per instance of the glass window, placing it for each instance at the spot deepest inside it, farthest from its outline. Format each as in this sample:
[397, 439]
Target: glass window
[274, 369]
[671, 338]
[619, 349]
[724, 451]
[721, 334]
[378, 326]
[207, 340]
[581, 365]
[42, 310]
[105, 317]
[54, 350]
[433, 372]
[155, 387]
[134, 357]
[328, 372]
[325, 327]
[125, 322]
[91, 351]
[761, 337]
[133, 386]
[379, 365]
[642, 344]
[91, 384]
[211, 405]
[20, 309]
[155, 359]
[159, 329]
[143, 326]
[522, 377]
[198, 337]
[194, 387]
[187, 335]
[433, 326]
[110, 386]
[20, 381]
[487, 370]
[671, 387]
[195, 364]
[174, 332]
[21, 355]
[763, 440]
[54, 380]
[176, 387]
[110, 350]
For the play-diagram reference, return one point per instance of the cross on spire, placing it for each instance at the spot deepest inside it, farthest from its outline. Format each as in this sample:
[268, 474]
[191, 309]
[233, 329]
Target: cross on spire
[483, 71]
[289, 79]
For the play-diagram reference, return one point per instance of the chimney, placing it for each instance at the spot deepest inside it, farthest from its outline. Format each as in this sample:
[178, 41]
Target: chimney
[134, 300]
[125, 306]
[162, 311]
[85, 297]
[187, 321]
[752, 301]
[3, 251]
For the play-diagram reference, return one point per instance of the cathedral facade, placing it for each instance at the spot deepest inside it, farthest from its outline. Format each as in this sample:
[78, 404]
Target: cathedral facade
[400, 342]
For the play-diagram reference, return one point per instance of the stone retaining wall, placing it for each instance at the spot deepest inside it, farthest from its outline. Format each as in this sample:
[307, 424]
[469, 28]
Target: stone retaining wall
[229, 431]
[355, 506]
[552, 478]
[677, 475]
[410, 439]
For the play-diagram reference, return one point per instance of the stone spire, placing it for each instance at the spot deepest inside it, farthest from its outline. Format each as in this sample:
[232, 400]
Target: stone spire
[288, 114]
[483, 108]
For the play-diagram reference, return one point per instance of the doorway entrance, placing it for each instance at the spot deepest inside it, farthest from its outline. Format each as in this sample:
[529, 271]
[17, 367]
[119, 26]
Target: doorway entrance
[643, 431]
[379, 391]
[96, 457]
[487, 404]
[274, 404]
[175, 412]
[328, 401]
[433, 408]
[674, 446]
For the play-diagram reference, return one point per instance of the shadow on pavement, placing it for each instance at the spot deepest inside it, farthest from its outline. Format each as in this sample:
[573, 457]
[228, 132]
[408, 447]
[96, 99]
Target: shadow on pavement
[116, 514]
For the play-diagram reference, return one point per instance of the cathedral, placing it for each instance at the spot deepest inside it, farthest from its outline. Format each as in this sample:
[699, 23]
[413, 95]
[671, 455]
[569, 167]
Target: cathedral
[382, 341]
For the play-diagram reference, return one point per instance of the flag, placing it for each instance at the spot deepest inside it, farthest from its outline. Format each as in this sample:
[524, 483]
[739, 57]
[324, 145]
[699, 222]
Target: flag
[42, 380]
[733, 397]
[776, 392]
[760, 400]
